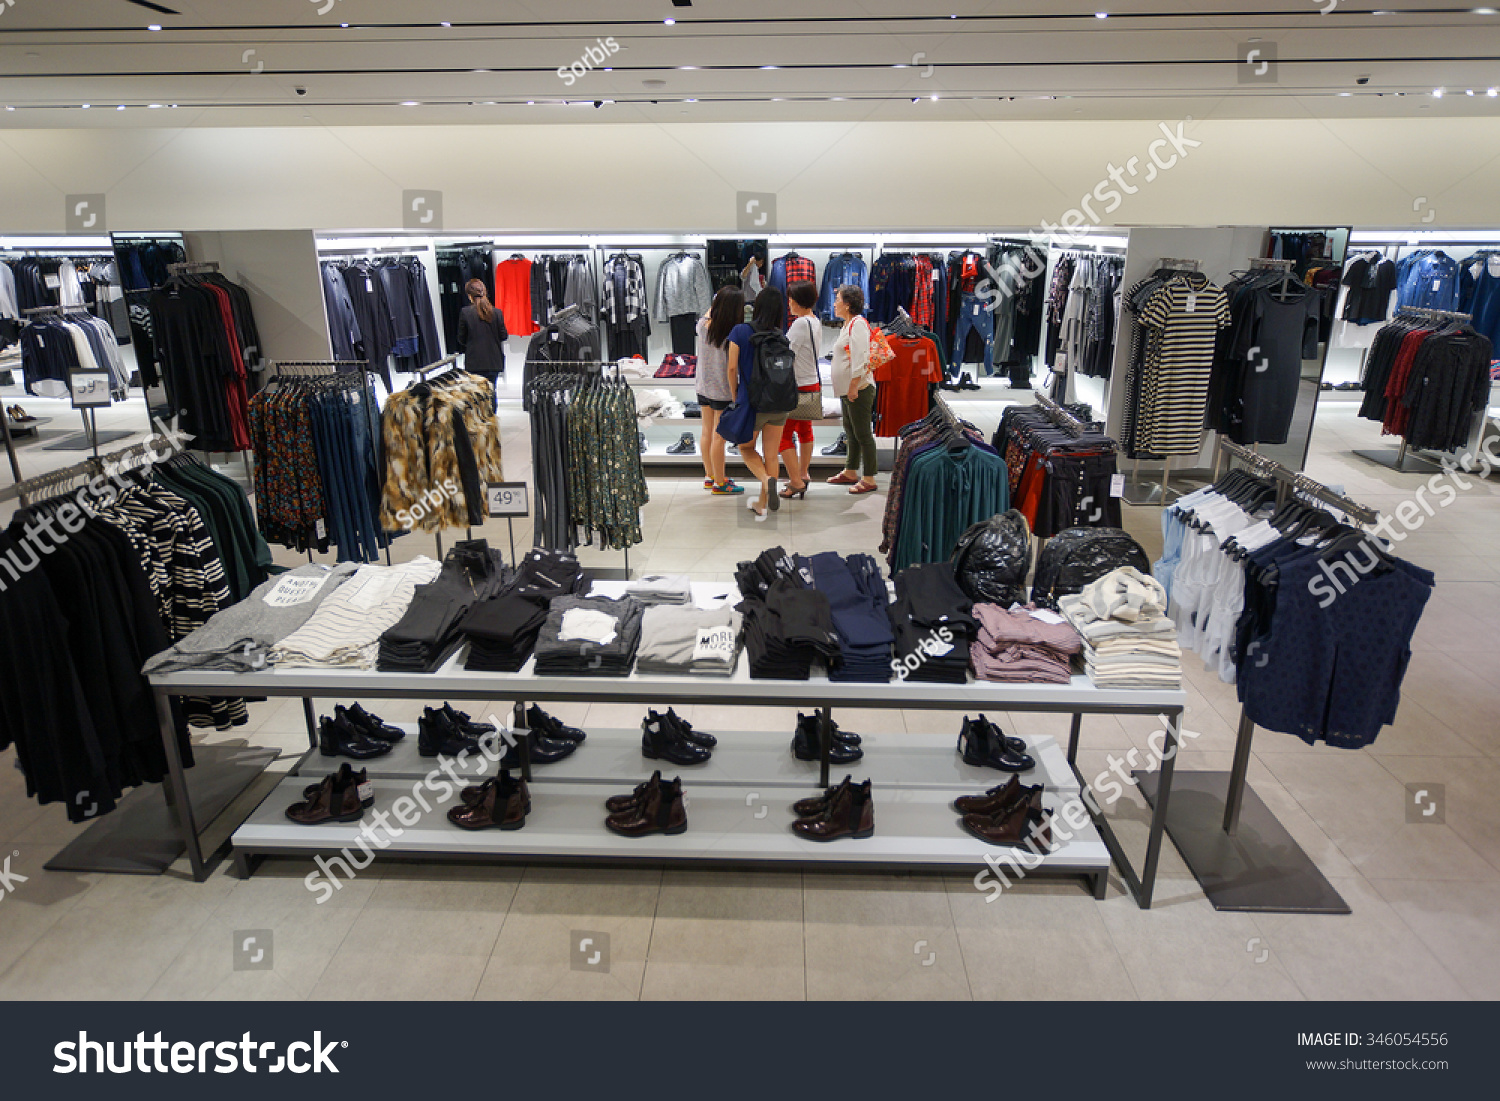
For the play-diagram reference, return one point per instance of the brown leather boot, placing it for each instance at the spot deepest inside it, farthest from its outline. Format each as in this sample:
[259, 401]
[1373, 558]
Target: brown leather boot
[850, 813]
[995, 801]
[660, 810]
[339, 798]
[503, 807]
[617, 804]
[475, 793]
[1026, 823]
[815, 806]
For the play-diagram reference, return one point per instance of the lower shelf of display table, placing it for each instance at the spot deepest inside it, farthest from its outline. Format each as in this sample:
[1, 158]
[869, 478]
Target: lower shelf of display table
[739, 807]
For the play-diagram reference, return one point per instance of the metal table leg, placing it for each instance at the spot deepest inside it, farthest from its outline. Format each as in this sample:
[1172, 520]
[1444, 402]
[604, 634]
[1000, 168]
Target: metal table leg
[177, 778]
[825, 745]
[1159, 814]
[311, 714]
[1073, 737]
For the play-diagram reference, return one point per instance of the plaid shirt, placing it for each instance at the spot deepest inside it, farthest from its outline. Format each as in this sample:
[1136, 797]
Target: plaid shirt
[921, 299]
[799, 269]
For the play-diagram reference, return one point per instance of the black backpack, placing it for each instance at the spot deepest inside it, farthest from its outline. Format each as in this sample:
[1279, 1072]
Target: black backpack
[773, 381]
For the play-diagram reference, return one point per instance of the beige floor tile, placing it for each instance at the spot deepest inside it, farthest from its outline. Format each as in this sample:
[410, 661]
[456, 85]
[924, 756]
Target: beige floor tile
[1369, 955]
[411, 955]
[727, 935]
[879, 938]
[538, 954]
[1456, 921]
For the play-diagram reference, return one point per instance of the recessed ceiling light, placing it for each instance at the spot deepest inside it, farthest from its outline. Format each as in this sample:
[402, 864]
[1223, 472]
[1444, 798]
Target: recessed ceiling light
[688, 68]
[1437, 93]
[1484, 11]
[8, 107]
[770, 66]
[1492, 93]
[1468, 91]
[173, 105]
[916, 99]
[153, 106]
[120, 108]
[531, 103]
[1346, 93]
[86, 106]
[609, 70]
[1101, 15]
[692, 101]
[933, 97]
[898, 66]
[154, 27]
[409, 103]
[345, 25]
[670, 22]
[445, 24]
[838, 99]
[478, 70]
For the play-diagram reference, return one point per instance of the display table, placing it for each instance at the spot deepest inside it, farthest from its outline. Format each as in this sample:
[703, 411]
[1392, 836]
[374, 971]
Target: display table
[738, 803]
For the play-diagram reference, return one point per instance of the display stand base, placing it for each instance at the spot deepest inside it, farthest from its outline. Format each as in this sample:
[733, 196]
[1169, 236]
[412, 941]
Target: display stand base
[80, 441]
[143, 835]
[1410, 463]
[1260, 869]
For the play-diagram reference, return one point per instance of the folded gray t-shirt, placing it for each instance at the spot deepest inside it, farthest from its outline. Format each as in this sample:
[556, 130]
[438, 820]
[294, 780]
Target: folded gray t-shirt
[238, 639]
[669, 640]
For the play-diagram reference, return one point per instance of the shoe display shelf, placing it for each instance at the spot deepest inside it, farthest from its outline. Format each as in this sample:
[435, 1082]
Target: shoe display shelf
[738, 803]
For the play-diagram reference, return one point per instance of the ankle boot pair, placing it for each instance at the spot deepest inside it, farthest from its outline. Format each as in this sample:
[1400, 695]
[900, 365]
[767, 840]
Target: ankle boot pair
[807, 745]
[547, 739]
[341, 796]
[1011, 814]
[656, 806]
[845, 810]
[446, 732]
[338, 737]
[671, 738]
[500, 803]
[982, 744]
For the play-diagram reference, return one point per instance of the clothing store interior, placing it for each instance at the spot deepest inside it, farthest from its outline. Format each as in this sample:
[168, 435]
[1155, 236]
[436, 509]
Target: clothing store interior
[472, 480]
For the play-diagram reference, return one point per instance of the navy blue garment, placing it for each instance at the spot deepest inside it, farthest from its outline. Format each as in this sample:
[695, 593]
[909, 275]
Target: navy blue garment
[1330, 662]
[843, 269]
[857, 602]
[343, 325]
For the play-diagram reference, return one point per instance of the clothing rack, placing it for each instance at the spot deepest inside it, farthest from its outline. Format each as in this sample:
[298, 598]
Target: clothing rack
[41, 310]
[89, 468]
[1175, 263]
[446, 361]
[1261, 868]
[193, 267]
[1258, 263]
[1422, 311]
[398, 250]
[1058, 415]
[1398, 463]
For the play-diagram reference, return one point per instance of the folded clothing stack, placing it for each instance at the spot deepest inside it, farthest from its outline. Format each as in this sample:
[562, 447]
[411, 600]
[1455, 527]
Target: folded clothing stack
[1023, 645]
[657, 403]
[503, 630]
[589, 636]
[755, 577]
[659, 588]
[857, 600]
[789, 630]
[689, 640]
[430, 630]
[678, 366]
[1128, 639]
[345, 630]
[238, 638]
[634, 368]
[933, 624]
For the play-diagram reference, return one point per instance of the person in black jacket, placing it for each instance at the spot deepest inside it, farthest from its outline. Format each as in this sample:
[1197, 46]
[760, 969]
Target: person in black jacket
[481, 336]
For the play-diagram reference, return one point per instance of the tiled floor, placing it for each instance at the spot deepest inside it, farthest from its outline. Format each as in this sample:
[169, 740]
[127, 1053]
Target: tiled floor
[1424, 896]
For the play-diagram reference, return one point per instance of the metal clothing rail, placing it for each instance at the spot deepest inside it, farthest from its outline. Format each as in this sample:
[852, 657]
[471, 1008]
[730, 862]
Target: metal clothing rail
[1060, 416]
[1175, 263]
[446, 361]
[193, 267]
[1272, 469]
[1268, 263]
[1423, 311]
[89, 468]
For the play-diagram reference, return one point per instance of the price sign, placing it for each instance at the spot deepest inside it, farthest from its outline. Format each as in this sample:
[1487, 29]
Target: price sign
[508, 499]
[89, 389]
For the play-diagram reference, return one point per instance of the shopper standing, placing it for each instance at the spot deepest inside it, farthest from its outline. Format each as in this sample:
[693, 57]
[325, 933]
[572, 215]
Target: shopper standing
[765, 463]
[855, 386]
[481, 336]
[714, 392]
[803, 335]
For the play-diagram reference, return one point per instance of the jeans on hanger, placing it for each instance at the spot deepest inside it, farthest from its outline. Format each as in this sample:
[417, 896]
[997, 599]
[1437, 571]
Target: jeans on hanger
[973, 314]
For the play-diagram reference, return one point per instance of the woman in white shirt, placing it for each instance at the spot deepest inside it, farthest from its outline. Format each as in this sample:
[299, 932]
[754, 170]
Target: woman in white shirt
[855, 386]
[803, 336]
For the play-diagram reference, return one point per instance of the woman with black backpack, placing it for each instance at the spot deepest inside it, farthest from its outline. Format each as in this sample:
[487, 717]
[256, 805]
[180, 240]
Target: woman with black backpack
[758, 356]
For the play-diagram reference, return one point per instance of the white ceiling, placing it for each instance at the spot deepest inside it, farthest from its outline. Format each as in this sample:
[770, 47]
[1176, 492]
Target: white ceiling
[242, 63]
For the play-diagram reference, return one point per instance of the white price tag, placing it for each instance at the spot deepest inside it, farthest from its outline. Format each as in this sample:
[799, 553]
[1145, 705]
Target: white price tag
[52, 281]
[366, 791]
[508, 499]
[320, 529]
[89, 389]
[1192, 303]
[714, 644]
[1117, 485]
[1437, 284]
[1047, 616]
